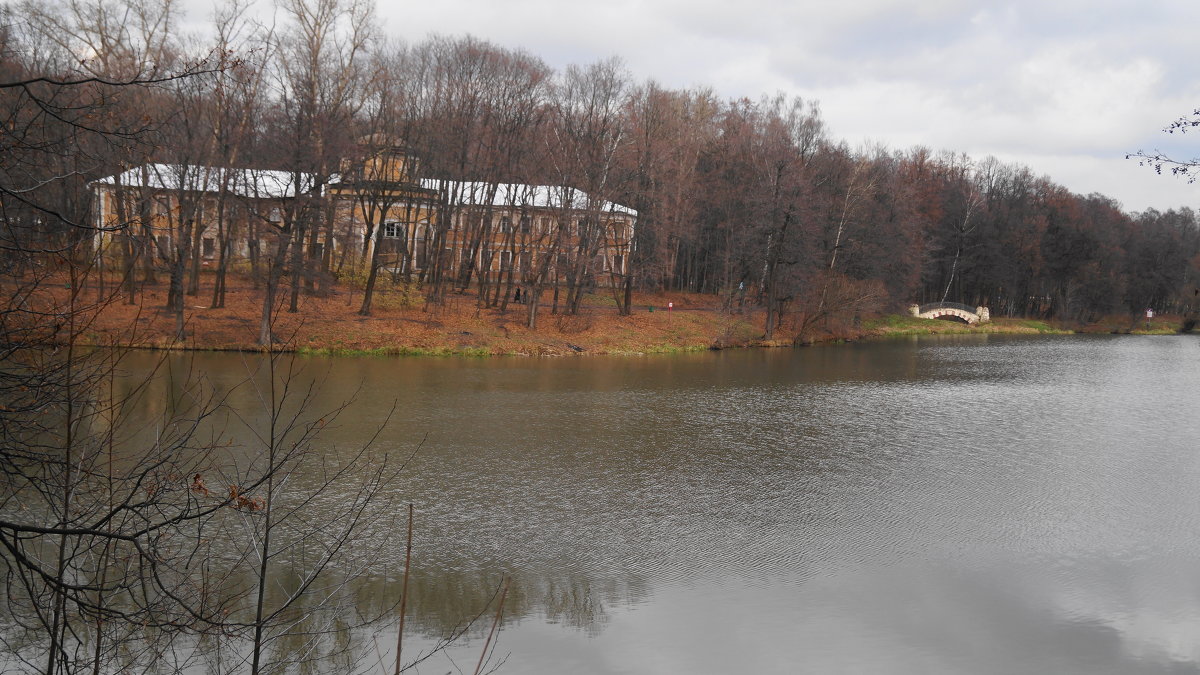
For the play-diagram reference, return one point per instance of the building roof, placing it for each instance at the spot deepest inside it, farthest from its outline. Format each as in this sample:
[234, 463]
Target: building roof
[475, 193]
[268, 184]
[252, 183]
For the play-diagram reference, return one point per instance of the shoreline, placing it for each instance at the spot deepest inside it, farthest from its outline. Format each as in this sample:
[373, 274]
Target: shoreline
[402, 325]
[617, 336]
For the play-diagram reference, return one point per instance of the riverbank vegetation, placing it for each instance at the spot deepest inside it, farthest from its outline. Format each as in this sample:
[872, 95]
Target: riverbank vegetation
[750, 201]
[657, 323]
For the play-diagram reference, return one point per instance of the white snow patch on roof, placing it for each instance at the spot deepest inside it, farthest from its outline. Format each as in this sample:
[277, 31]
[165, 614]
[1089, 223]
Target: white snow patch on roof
[475, 193]
[251, 183]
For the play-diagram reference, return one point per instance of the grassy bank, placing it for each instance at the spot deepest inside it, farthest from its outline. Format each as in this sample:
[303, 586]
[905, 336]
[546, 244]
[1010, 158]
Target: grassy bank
[894, 325]
[402, 326]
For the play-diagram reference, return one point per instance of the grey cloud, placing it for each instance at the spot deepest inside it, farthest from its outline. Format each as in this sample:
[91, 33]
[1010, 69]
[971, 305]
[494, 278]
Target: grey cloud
[1026, 79]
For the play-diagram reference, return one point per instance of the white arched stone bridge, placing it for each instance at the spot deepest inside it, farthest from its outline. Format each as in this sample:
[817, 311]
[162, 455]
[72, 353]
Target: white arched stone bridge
[943, 310]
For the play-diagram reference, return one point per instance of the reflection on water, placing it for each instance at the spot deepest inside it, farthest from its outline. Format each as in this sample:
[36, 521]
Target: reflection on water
[981, 505]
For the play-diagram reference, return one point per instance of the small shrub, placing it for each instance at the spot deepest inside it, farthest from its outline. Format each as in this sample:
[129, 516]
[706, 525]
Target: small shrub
[354, 275]
[571, 324]
[403, 295]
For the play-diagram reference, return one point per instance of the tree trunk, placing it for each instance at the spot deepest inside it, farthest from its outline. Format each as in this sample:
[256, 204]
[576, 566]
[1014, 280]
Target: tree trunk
[275, 266]
[297, 269]
[372, 275]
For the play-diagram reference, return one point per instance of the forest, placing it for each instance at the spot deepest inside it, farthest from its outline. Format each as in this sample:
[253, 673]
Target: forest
[735, 197]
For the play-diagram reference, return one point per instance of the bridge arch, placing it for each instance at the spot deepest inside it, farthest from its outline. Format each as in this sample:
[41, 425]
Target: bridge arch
[942, 310]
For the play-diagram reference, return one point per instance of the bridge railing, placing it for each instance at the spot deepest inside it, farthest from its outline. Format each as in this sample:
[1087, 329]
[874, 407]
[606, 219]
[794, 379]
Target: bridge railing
[947, 305]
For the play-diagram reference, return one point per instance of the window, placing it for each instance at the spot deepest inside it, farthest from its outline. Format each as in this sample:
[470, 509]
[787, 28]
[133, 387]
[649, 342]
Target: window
[505, 224]
[393, 230]
[275, 215]
[208, 247]
[505, 260]
[618, 263]
[162, 206]
[525, 223]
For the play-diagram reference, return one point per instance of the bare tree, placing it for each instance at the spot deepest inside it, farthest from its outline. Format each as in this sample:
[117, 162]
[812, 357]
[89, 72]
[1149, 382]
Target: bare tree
[122, 41]
[301, 513]
[381, 181]
[671, 131]
[322, 68]
[1159, 160]
[104, 511]
[244, 48]
[589, 127]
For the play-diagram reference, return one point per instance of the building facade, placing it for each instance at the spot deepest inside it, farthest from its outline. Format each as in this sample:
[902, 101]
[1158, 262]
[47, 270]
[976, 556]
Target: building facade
[379, 210]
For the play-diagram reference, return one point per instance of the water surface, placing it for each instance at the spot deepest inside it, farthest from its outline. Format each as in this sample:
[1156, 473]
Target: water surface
[947, 505]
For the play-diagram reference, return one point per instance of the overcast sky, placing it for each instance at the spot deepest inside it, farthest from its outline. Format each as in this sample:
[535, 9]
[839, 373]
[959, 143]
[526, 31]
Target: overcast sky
[1065, 87]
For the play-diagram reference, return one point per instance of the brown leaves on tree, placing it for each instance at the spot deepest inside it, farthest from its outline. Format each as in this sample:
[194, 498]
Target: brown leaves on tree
[240, 501]
[198, 486]
[236, 499]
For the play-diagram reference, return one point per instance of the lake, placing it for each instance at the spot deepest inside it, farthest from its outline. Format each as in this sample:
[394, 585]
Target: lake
[974, 504]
